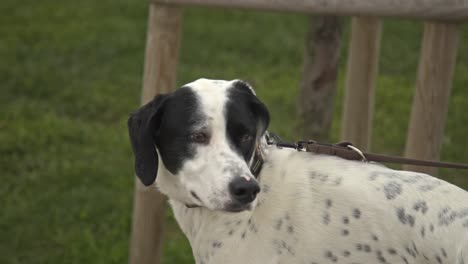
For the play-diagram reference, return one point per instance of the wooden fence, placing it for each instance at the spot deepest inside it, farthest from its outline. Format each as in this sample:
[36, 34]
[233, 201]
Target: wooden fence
[430, 102]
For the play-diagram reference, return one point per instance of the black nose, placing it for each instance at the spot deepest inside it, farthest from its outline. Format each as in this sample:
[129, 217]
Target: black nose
[244, 191]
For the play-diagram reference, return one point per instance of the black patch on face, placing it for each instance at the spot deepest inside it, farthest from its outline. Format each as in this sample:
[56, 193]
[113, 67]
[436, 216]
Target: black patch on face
[181, 114]
[165, 122]
[247, 119]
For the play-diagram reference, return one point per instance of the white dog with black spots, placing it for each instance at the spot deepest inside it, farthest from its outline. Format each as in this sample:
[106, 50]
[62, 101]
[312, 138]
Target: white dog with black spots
[198, 146]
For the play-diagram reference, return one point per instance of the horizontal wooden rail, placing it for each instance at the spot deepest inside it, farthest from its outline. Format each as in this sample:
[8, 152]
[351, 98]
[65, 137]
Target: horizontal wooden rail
[443, 10]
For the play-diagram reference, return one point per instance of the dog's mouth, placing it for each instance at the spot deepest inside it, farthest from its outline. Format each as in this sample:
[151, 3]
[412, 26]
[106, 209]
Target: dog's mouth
[237, 208]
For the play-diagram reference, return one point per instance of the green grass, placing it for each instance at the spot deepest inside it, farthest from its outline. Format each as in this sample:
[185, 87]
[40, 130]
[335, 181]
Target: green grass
[70, 72]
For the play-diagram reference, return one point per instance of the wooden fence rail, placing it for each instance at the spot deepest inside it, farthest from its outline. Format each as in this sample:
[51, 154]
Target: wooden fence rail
[443, 10]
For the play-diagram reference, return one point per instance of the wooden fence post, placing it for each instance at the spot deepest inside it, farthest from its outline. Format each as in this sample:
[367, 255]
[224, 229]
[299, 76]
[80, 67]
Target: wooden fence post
[161, 56]
[431, 98]
[316, 96]
[361, 75]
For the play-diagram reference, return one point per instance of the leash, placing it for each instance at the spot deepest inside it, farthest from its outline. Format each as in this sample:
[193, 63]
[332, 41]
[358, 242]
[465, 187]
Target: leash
[346, 150]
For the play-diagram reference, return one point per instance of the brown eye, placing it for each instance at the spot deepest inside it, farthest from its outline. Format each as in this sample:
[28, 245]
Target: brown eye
[246, 138]
[199, 137]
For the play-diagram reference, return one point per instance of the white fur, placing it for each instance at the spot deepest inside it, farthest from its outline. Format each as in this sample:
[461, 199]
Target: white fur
[313, 208]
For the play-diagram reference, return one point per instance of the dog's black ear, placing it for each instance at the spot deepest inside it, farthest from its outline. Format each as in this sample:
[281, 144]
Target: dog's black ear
[262, 114]
[143, 127]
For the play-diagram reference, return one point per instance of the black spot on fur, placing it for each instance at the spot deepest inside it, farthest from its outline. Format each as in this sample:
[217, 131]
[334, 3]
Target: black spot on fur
[405, 218]
[345, 220]
[278, 224]
[345, 232]
[338, 181]
[410, 252]
[444, 253]
[405, 260]
[356, 213]
[326, 218]
[415, 248]
[380, 257]
[331, 256]
[217, 244]
[447, 215]
[281, 246]
[367, 248]
[421, 206]
[392, 190]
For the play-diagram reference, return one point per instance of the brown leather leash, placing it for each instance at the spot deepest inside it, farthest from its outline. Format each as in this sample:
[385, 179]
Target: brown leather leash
[347, 151]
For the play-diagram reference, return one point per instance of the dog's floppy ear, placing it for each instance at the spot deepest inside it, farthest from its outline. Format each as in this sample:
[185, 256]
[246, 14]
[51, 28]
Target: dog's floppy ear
[143, 127]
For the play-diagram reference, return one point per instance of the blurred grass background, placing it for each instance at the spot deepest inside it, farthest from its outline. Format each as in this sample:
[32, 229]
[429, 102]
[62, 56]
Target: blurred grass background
[70, 72]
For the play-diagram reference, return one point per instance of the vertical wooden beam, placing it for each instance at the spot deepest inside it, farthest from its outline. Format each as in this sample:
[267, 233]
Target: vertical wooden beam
[315, 102]
[161, 56]
[361, 75]
[431, 98]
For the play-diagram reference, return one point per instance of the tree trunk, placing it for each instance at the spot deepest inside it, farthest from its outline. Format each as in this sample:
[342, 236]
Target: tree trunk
[318, 85]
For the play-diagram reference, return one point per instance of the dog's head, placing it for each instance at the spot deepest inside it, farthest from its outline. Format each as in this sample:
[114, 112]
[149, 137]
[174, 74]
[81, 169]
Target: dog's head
[198, 143]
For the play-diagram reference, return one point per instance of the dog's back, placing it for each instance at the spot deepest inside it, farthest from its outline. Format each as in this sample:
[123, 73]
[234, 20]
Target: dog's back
[322, 209]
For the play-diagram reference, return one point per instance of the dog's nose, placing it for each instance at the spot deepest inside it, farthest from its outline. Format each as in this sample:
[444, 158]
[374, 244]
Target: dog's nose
[243, 190]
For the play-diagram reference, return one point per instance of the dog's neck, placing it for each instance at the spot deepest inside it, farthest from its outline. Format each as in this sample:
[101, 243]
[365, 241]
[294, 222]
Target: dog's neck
[204, 228]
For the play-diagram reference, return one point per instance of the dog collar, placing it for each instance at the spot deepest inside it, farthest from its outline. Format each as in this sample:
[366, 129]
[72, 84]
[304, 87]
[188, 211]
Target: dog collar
[257, 162]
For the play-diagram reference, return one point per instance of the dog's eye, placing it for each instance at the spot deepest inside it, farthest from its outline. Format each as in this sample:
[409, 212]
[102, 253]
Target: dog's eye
[246, 138]
[199, 137]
